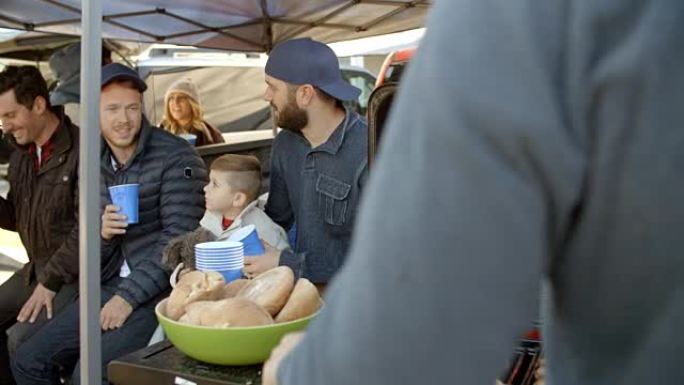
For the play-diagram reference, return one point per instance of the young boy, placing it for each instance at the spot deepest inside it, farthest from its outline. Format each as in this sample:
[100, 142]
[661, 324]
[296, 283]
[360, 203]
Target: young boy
[231, 202]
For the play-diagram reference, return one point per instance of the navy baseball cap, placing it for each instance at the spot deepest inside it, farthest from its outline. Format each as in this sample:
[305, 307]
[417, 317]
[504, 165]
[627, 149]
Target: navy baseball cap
[306, 61]
[117, 71]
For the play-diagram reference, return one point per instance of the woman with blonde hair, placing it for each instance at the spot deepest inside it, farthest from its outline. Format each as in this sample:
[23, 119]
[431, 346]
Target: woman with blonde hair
[183, 114]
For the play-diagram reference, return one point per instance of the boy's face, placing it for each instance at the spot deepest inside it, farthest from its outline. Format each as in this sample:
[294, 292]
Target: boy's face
[218, 194]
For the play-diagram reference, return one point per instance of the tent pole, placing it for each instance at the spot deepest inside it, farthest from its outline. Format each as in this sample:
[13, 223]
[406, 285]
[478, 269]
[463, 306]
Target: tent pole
[89, 193]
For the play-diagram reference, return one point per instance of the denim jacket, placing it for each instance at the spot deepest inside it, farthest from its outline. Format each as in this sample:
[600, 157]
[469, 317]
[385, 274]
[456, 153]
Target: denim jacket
[319, 189]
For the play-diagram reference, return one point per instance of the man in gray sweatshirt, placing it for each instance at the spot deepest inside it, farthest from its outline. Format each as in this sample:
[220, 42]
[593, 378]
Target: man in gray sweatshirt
[532, 141]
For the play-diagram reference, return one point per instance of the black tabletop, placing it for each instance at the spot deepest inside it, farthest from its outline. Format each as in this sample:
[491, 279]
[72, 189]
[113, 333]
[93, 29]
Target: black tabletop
[162, 363]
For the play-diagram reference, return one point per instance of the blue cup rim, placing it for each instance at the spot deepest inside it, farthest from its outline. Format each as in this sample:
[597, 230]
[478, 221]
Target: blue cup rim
[218, 257]
[218, 252]
[235, 263]
[220, 271]
[214, 263]
[234, 266]
[226, 262]
[219, 245]
[119, 186]
[247, 230]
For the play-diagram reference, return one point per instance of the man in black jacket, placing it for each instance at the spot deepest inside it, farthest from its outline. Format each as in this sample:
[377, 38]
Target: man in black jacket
[41, 206]
[170, 176]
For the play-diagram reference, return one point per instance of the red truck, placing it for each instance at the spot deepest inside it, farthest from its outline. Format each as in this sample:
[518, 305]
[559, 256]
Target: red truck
[394, 65]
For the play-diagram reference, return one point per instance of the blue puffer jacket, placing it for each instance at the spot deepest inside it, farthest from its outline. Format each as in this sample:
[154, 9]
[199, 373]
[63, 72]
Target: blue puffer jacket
[171, 177]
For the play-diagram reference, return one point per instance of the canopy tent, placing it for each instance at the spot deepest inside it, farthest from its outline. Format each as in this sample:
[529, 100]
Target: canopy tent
[32, 46]
[239, 25]
[38, 46]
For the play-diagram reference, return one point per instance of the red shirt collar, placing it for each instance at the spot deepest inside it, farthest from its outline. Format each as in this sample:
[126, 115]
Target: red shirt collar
[46, 153]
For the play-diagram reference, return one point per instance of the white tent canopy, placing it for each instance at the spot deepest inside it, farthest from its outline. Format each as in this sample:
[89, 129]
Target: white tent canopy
[38, 46]
[379, 45]
[241, 25]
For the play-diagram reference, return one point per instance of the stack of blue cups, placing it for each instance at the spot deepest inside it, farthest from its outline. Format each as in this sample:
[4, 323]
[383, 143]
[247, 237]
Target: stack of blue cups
[225, 257]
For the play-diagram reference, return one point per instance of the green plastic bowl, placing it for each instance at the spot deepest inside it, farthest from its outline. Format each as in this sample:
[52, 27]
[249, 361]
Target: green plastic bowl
[227, 346]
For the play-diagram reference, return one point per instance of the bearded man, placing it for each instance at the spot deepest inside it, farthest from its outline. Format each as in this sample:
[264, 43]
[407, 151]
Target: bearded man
[319, 160]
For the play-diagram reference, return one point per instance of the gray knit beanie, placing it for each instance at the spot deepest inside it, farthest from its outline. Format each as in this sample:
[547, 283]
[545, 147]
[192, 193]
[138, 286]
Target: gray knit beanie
[185, 86]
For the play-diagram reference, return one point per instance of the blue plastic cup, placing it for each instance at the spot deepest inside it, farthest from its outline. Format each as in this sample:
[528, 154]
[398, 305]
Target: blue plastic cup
[250, 239]
[126, 197]
[220, 266]
[228, 274]
[231, 275]
[254, 246]
[191, 138]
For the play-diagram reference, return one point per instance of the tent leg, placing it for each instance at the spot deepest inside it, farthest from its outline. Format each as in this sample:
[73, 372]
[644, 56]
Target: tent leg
[89, 190]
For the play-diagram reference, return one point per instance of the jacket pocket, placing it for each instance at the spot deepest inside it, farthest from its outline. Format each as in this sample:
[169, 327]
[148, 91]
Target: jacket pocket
[58, 196]
[59, 210]
[333, 197]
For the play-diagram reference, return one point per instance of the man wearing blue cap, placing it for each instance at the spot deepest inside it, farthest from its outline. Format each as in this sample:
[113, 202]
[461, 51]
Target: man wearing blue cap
[170, 176]
[319, 160]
